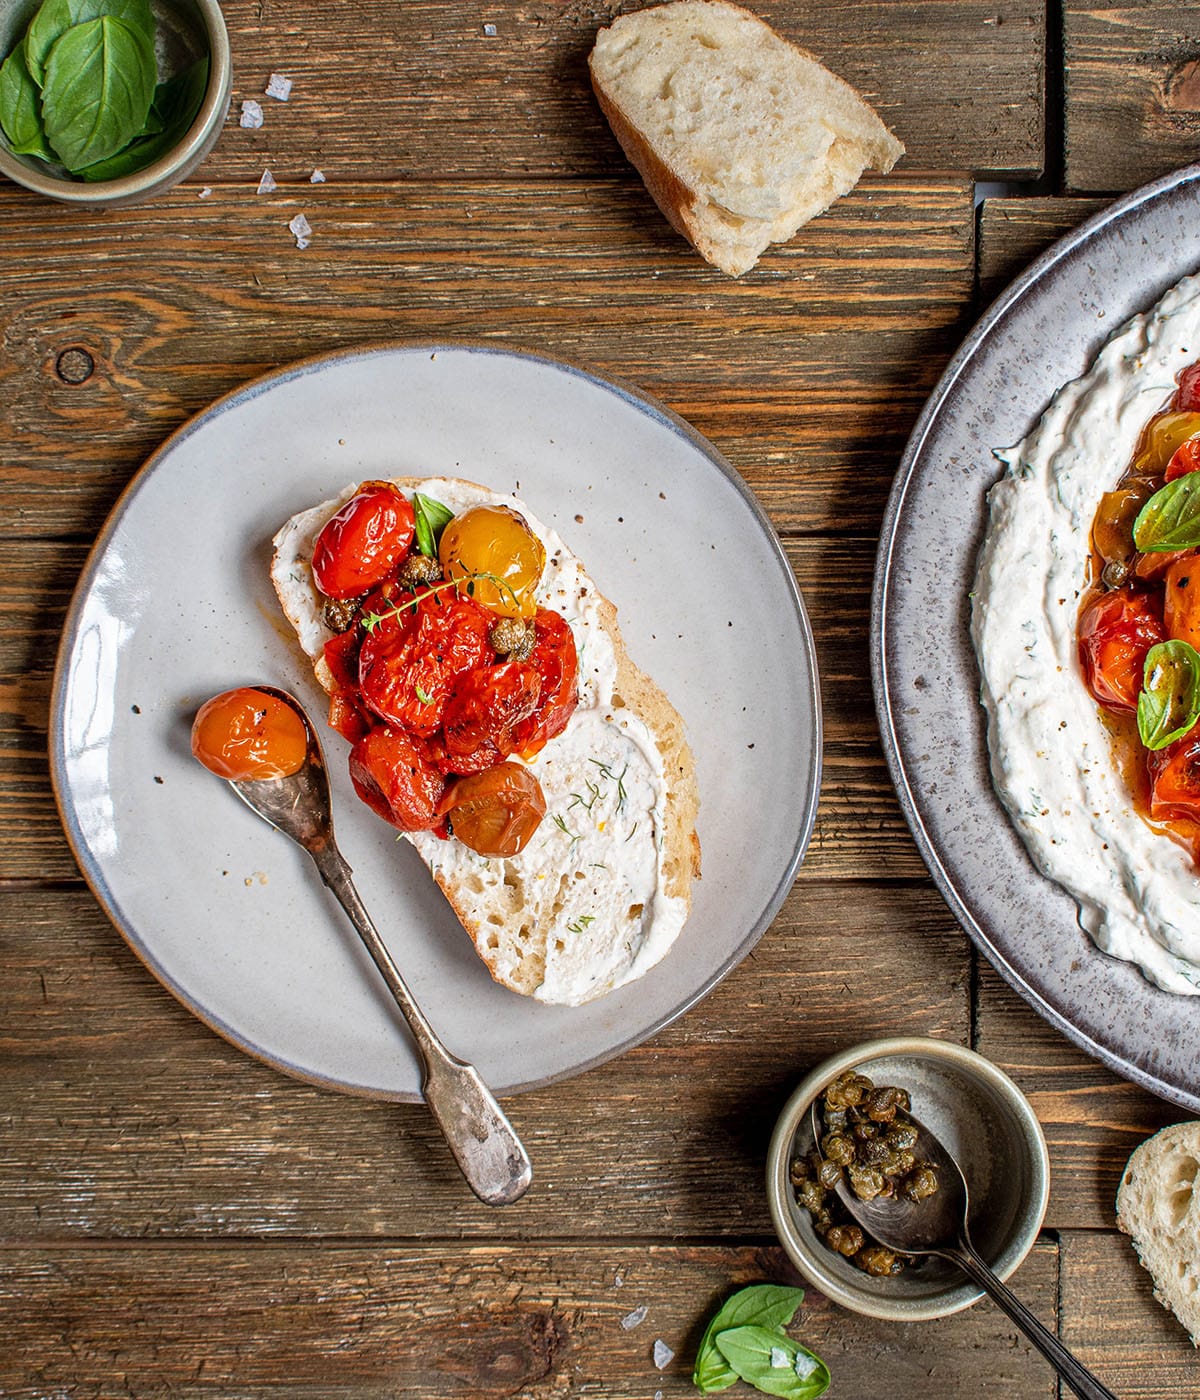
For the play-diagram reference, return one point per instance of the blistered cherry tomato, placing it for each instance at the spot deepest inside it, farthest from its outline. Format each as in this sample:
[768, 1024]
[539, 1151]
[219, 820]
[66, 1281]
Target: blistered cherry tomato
[1175, 779]
[393, 776]
[487, 704]
[362, 544]
[555, 658]
[1185, 459]
[1116, 630]
[247, 735]
[495, 549]
[1112, 529]
[410, 661]
[1161, 440]
[495, 812]
[1187, 399]
[1181, 600]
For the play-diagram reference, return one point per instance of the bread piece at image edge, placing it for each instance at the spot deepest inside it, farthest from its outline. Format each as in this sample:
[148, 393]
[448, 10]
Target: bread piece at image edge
[516, 958]
[1158, 1206]
[740, 136]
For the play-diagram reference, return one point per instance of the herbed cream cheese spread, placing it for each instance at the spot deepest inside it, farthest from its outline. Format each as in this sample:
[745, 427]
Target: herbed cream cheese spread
[1051, 756]
[589, 892]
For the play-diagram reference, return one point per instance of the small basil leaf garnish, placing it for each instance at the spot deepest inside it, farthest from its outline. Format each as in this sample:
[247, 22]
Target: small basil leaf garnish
[1169, 703]
[771, 1362]
[431, 519]
[1170, 519]
[769, 1305]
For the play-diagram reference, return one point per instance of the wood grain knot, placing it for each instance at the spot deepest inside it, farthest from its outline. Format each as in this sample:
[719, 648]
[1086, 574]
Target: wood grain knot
[74, 365]
[1181, 91]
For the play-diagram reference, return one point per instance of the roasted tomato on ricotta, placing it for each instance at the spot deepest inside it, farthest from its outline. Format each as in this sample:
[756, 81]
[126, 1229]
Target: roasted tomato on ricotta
[1139, 621]
[447, 670]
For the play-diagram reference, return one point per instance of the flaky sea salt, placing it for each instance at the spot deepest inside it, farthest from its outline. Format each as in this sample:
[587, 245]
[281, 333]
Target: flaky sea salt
[278, 87]
[301, 228]
[663, 1355]
[267, 183]
[205, 192]
[631, 1320]
[779, 1359]
[805, 1365]
[317, 177]
[490, 30]
[251, 117]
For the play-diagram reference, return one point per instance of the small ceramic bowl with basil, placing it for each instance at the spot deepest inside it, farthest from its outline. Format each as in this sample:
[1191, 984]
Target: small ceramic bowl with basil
[109, 102]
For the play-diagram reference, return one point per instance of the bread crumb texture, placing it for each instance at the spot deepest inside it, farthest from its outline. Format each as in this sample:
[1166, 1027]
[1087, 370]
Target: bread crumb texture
[740, 136]
[1158, 1206]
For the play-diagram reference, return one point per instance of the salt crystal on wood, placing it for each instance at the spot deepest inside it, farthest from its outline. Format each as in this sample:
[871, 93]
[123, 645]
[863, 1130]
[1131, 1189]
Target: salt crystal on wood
[632, 1319]
[252, 117]
[205, 192]
[301, 228]
[267, 183]
[317, 177]
[490, 30]
[663, 1355]
[279, 87]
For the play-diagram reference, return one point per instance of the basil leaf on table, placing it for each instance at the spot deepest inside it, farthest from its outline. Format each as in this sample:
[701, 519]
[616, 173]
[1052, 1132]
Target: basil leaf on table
[431, 519]
[1170, 519]
[773, 1363]
[174, 109]
[20, 108]
[98, 90]
[768, 1305]
[1169, 703]
[55, 17]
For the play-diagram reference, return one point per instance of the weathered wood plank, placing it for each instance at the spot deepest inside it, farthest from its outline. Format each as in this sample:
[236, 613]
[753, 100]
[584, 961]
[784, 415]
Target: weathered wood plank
[125, 1116]
[806, 373]
[1092, 1118]
[1112, 1323]
[343, 1322]
[1132, 92]
[859, 825]
[424, 90]
[1012, 232]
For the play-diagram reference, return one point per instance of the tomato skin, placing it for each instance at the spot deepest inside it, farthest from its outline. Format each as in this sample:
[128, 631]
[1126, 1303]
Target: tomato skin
[1175, 779]
[347, 716]
[246, 735]
[1116, 630]
[1185, 459]
[393, 776]
[341, 656]
[1181, 600]
[363, 543]
[409, 663]
[1187, 398]
[557, 663]
[487, 704]
[495, 812]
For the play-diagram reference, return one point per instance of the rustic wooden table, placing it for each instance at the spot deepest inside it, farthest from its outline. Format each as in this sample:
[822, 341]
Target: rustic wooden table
[175, 1218]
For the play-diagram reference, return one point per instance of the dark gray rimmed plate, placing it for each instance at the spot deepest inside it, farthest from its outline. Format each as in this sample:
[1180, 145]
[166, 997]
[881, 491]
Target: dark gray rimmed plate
[175, 605]
[1041, 333]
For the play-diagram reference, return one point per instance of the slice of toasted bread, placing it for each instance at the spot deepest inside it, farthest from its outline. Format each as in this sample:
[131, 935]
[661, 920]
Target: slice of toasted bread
[1158, 1205]
[603, 888]
[740, 136]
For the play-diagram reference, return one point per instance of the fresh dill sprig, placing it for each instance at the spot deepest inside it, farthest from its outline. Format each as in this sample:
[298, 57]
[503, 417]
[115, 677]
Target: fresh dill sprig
[593, 794]
[607, 772]
[564, 828]
[581, 923]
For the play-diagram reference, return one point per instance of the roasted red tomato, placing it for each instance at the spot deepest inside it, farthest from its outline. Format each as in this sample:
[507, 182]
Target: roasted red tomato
[1185, 459]
[487, 704]
[409, 663]
[1175, 779]
[393, 776]
[495, 812]
[362, 544]
[341, 656]
[247, 735]
[1187, 400]
[556, 661]
[1116, 630]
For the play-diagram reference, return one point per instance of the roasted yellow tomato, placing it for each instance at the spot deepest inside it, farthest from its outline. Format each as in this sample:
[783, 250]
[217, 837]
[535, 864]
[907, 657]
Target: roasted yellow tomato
[247, 735]
[498, 554]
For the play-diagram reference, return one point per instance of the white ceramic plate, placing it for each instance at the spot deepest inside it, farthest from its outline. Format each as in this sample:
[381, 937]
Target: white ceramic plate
[175, 606]
[1044, 331]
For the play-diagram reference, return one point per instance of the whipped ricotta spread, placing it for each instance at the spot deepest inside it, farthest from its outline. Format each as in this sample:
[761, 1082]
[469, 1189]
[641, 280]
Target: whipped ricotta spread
[588, 894]
[1051, 755]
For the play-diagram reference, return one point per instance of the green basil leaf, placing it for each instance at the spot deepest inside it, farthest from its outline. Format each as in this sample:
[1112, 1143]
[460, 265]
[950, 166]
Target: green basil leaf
[773, 1363]
[1169, 704]
[1170, 519]
[55, 17]
[21, 108]
[98, 90]
[431, 518]
[174, 109]
[771, 1305]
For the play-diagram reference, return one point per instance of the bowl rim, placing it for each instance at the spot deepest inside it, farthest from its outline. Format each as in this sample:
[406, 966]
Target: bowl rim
[150, 178]
[779, 1186]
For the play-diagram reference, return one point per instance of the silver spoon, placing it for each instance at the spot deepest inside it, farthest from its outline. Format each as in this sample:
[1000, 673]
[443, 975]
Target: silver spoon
[482, 1139]
[937, 1225]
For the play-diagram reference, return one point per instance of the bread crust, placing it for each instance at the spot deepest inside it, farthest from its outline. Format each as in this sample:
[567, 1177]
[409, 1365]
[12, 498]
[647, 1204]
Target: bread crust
[633, 689]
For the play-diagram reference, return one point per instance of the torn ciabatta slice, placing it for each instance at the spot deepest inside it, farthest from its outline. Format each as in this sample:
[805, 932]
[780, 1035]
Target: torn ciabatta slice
[603, 887]
[739, 135]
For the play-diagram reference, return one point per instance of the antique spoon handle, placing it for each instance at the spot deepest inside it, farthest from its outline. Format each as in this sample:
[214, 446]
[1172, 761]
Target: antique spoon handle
[484, 1142]
[1073, 1371]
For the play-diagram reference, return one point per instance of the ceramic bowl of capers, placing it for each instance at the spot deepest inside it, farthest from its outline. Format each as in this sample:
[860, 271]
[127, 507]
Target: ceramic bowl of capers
[863, 1097]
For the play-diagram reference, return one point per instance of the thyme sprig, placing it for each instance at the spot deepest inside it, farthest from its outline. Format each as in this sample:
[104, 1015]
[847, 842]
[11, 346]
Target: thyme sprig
[464, 583]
